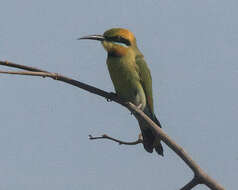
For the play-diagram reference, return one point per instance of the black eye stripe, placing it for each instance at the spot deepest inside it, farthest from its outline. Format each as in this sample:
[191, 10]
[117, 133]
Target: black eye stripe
[119, 39]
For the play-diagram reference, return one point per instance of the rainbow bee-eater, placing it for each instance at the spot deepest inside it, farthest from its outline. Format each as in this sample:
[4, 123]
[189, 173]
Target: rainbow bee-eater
[131, 77]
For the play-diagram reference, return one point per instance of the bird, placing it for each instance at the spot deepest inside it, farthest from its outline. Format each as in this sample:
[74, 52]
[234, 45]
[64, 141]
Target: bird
[131, 78]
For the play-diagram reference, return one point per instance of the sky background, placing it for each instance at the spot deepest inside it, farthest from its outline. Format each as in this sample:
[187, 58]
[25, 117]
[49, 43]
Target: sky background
[191, 48]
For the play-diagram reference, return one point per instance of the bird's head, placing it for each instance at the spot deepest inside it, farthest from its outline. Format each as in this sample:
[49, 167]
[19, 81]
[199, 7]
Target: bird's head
[116, 41]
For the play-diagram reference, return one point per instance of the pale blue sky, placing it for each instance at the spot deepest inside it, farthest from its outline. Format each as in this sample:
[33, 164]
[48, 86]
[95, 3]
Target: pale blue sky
[191, 48]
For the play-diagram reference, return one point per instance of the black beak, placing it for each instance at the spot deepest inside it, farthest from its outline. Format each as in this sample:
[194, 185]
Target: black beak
[92, 37]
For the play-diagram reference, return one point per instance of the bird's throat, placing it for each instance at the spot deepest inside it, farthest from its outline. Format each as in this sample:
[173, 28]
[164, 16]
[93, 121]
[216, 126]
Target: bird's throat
[115, 50]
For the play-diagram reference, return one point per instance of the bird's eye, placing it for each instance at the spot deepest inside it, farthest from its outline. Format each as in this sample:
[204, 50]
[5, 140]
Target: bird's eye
[119, 39]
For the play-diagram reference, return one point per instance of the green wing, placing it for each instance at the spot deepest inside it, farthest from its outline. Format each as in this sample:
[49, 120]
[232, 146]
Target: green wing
[146, 81]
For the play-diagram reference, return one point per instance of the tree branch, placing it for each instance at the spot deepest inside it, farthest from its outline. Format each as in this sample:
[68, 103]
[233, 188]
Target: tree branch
[195, 181]
[55, 76]
[198, 172]
[138, 141]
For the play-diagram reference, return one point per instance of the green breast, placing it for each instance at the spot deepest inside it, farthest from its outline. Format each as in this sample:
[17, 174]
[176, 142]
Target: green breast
[124, 77]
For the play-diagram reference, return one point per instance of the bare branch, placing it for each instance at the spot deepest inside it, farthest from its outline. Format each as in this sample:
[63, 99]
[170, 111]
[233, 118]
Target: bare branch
[205, 179]
[31, 73]
[24, 67]
[138, 141]
[198, 172]
[195, 181]
[62, 78]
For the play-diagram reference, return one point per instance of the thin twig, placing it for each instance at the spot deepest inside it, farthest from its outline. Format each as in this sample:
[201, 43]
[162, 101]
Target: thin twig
[24, 67]
[31, 73]
[55, 76]
[138, 141]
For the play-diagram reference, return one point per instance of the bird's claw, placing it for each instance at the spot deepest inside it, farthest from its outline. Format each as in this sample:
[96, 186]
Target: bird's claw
[139, 107]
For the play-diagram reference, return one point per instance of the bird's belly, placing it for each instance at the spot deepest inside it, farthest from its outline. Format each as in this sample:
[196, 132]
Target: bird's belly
[125, 88]
[127, 84]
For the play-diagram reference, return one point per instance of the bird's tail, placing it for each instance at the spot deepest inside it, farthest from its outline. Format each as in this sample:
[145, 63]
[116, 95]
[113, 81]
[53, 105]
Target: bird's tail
[149, 140]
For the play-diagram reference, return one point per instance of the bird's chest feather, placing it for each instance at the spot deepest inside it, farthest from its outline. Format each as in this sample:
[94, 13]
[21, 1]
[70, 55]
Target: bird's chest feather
[125, 79]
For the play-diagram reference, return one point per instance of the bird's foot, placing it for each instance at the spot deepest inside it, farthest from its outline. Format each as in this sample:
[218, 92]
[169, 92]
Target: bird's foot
[112, 94]
[139, 107]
